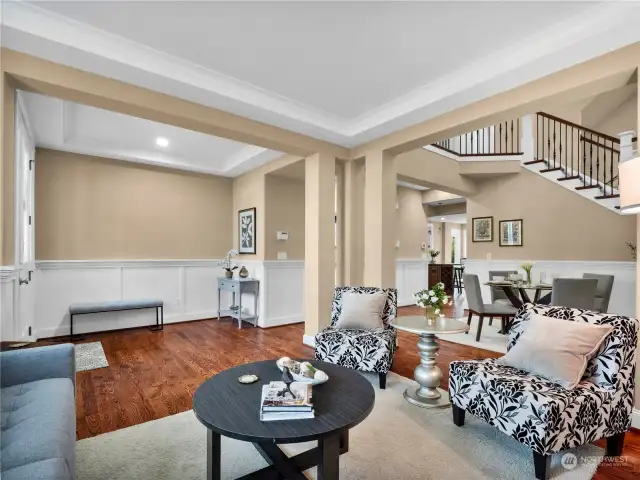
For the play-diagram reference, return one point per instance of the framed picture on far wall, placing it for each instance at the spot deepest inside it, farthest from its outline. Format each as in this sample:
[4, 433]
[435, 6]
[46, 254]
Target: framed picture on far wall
[482, 229]
[247, 231]
[511, 233]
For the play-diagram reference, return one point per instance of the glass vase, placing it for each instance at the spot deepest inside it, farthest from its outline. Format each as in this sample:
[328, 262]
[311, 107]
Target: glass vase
[528, 277]
[430, 314]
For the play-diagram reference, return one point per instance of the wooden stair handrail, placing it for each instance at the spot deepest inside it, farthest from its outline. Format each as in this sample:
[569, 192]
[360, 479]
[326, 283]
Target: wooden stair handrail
[575, 125]
[601, 145]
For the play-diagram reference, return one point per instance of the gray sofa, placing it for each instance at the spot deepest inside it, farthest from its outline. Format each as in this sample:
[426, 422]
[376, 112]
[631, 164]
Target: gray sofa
[38, 429]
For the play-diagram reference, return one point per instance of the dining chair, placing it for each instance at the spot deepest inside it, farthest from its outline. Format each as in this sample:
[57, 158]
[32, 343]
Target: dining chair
[477, 307]
[574, 293]
[497, 294]
[603, 291]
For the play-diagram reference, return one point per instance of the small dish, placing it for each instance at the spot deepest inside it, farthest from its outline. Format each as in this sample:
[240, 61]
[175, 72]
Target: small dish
[248, 379]
[301, 378]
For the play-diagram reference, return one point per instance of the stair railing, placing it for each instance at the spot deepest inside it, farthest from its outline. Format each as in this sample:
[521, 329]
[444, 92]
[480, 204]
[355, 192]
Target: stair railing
[500, 139]
[578, 153]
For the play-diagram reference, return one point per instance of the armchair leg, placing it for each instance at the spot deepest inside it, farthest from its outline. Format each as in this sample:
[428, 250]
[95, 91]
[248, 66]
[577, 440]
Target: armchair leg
[469, 320]
[383, 380]
[480, 320]
[542, 465]
[615, 444]
[458, 415]
[490, 321]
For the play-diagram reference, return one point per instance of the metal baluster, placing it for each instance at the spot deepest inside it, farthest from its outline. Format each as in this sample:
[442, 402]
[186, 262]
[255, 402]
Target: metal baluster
[518, 132]
[584, 155]
[512, 151]
[506, 138]
[554, 144]
[548, 156]
[591, 159]
[537, 136]
[566, 149]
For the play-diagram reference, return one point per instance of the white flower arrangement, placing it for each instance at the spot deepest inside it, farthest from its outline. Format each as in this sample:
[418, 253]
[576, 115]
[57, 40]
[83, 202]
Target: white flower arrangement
[435, 297]
[226, 263]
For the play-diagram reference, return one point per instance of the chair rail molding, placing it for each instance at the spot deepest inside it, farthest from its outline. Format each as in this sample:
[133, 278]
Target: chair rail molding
[188, 288]
[623, 296]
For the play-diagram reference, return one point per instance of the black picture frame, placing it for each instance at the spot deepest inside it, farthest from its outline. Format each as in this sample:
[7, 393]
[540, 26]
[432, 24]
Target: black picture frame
[520, 231]
[247, 238]
[473, 229]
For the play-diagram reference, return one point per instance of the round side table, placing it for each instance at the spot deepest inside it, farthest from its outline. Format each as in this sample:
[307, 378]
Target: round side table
[428, 393]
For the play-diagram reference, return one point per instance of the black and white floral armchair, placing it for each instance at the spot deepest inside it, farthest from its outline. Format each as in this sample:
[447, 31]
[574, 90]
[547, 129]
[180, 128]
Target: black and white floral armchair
[543, 415]
[366, 350]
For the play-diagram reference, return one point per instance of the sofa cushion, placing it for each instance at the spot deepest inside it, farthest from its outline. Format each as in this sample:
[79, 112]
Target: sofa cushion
[358, 349]
[38, 423]
[51, 469]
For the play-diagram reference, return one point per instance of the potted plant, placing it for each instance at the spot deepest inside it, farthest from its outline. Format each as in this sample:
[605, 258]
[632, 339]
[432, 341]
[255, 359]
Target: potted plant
[432, 300]
[227, 265]
[433, 254]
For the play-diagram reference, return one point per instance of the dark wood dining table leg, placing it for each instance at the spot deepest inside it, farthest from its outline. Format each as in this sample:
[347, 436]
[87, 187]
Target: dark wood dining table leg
[513, 298]
[213, 455]
[546, 300]
[329, 466]
[524, 295]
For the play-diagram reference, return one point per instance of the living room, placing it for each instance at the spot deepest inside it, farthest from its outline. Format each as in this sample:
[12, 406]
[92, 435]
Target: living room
[179, 223]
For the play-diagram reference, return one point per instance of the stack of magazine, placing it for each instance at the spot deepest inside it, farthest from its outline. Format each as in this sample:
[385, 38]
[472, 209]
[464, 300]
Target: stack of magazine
[282, 403]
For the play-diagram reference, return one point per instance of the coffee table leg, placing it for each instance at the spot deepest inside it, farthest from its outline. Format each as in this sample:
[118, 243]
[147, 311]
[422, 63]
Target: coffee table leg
[329, 466]
[213, 455]
[428, 375]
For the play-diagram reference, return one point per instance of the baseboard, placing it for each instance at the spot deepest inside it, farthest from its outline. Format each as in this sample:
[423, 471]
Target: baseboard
[309, 340]
[279, 321]
[635, 418]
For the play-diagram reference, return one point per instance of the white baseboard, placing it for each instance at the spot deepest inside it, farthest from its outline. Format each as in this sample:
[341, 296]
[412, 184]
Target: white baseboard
[287, 320]
[309, 340]
[635, 418]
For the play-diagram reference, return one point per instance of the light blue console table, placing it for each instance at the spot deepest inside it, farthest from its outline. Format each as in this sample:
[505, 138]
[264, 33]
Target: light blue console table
[238, 286]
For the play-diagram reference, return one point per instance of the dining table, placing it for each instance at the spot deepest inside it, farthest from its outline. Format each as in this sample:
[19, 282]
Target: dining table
[512, 288]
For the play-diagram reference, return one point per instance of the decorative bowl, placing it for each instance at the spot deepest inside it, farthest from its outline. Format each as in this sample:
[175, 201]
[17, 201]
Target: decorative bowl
[301, 378]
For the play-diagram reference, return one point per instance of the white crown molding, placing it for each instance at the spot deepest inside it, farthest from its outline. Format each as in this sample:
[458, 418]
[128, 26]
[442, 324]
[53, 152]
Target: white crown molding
[597, 30]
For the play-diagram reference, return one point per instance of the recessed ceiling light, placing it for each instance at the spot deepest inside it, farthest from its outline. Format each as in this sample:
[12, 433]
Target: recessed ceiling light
[441, 218]
[162, 142]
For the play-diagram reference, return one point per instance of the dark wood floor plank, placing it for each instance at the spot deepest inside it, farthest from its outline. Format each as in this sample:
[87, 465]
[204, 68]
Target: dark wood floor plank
[154, 374]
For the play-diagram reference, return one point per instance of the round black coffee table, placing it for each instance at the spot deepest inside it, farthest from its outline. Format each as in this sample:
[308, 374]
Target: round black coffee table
[231, 409]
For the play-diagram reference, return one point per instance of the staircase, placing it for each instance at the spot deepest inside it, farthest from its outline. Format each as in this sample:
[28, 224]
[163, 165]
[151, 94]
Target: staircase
[575, 157]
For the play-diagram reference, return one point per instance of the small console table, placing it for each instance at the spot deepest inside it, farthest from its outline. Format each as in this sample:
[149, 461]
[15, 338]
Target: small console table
[238, 286]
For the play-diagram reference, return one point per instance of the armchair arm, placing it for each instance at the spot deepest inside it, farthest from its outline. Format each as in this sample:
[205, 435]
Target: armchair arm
[32, 364]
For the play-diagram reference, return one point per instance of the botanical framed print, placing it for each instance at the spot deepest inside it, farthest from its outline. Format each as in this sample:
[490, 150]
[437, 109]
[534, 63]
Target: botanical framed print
[511, 233]
[247, 230]
[482, 229]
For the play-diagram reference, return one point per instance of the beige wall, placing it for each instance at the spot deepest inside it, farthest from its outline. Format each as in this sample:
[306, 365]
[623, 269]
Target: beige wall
[558, 224]
[95, 208]
[284, 207]
[411, 224]
[623, 119]
[7, 170]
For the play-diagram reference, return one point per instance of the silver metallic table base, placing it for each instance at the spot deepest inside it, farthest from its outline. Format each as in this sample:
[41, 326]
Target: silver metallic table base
[428, 375]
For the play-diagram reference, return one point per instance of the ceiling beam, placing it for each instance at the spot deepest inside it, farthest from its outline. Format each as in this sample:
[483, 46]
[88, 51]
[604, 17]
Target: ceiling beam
[589, 78]
[48, 78]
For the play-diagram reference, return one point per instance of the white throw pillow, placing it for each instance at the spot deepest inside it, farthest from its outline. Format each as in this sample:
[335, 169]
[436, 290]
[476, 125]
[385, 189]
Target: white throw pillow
[362, 311]
[556, 349]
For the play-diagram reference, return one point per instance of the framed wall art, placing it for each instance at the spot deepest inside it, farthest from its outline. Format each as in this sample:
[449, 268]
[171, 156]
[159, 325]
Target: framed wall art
[247, 230]
[511, 233]
[482, 229]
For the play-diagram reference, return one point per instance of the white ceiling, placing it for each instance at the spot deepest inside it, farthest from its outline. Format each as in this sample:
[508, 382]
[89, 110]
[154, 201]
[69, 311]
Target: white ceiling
[72, 127]
[346, 72]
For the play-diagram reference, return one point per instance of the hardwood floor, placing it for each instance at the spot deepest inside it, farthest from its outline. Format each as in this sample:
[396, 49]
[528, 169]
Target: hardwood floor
[154, 374]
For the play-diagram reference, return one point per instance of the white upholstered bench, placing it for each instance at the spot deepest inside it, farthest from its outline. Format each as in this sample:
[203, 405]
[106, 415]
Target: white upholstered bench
[115, 306]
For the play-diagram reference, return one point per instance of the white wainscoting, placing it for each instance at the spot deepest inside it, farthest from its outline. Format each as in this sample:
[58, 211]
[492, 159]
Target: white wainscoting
[8, 289]
[187, 287]
[411, 277]
[623, 296]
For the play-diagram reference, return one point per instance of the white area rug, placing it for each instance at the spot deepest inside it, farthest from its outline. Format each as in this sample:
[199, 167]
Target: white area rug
[490, 339]
[90, 356]
[397, 441]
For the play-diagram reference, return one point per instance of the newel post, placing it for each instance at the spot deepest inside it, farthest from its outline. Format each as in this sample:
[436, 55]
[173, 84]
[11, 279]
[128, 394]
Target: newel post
[626, 145]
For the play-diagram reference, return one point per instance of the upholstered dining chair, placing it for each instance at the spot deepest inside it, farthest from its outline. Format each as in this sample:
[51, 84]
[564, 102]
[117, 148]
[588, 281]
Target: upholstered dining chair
[477, 307]
[574, 293]
[365, 350]
[603, 291]
[543, 415]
